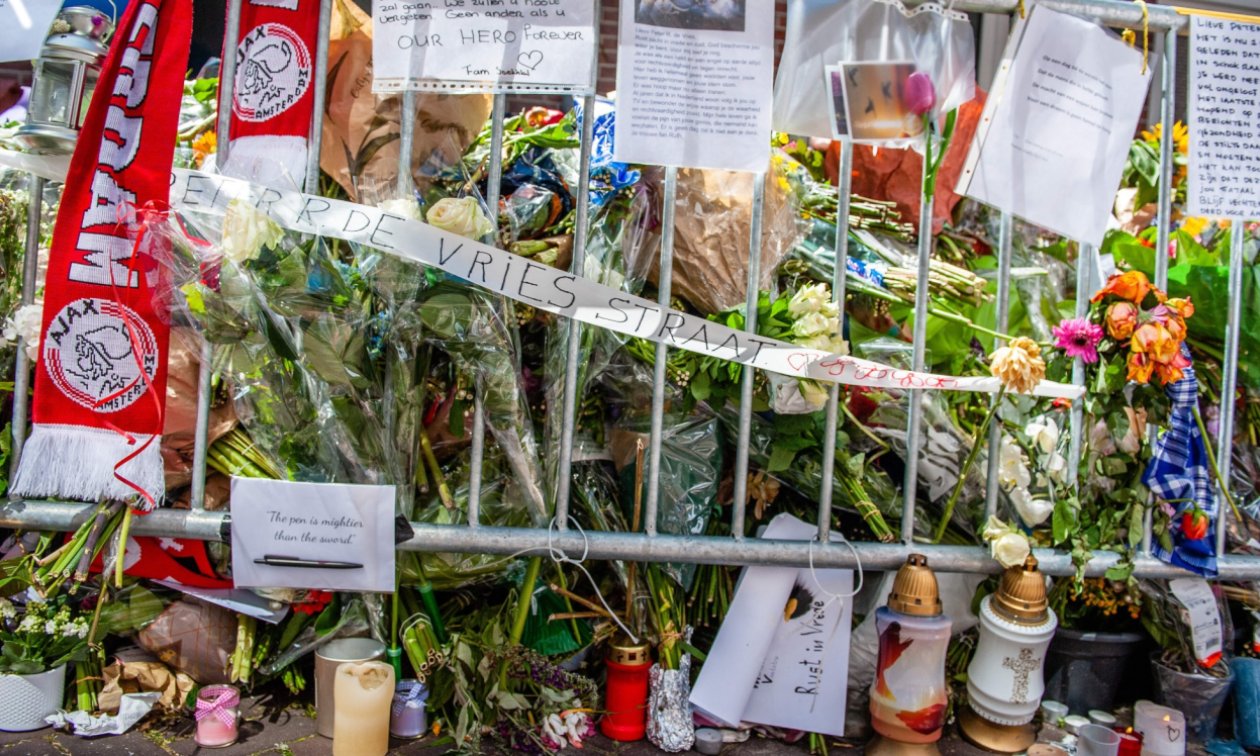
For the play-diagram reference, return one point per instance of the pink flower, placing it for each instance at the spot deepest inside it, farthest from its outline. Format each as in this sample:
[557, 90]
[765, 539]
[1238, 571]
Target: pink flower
[1078, 337]
[920, 94]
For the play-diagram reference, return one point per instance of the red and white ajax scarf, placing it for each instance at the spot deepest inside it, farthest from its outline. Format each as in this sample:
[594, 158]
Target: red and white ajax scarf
[100, 386]
[274, 93]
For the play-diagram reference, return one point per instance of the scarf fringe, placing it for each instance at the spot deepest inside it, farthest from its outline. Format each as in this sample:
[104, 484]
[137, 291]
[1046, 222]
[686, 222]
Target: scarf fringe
[77, 463]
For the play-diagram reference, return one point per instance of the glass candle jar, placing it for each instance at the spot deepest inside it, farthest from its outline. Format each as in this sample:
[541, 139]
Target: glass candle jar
[407, 717]
[217, 712]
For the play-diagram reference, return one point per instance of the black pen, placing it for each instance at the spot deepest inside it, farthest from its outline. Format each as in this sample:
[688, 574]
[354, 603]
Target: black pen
[272, 560]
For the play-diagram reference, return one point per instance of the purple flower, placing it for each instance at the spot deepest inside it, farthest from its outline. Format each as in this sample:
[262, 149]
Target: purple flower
[1078, 337]
[920, 94]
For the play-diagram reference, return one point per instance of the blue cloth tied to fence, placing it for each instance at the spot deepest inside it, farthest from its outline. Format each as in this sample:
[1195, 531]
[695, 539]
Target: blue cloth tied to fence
[1178, 470]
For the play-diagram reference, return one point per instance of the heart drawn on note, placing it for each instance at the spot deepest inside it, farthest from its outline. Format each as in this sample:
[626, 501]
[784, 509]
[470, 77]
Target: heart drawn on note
[797, 360]
[531, 59]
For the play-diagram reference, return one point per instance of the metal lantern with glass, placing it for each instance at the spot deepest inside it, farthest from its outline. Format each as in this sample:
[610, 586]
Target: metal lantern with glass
[64, 78]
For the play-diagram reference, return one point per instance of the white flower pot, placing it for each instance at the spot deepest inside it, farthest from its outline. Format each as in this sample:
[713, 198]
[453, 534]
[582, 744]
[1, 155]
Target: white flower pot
[26, 699]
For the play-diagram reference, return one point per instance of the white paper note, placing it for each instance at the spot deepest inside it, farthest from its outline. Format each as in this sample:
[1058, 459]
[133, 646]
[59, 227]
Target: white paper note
[1056, 130]
[484, 45]
[274, 520]
[24, 26]
[1201, 615]
[693, 83]
[1224, 108]
[765, 669]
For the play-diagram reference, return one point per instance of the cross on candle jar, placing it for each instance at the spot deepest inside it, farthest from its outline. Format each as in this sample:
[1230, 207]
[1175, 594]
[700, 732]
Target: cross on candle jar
[1023, 666]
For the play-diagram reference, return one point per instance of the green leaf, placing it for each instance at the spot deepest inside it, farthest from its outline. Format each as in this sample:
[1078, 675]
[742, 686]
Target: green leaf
[780, 458]
[1063, 521]
[700, 386]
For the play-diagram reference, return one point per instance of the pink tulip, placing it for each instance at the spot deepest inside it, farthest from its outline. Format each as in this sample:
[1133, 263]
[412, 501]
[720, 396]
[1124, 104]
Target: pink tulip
[920, 94]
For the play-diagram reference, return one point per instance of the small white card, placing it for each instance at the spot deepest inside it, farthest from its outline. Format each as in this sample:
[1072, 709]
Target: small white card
[327, 536]
[24, 26]
[484, 45]
[1201, 614]
[1056, 130]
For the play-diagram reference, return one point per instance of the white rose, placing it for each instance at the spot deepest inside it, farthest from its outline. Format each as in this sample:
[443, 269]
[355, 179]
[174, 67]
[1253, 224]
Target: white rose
[25, 324]
[403, 207]
[813, 324]
[1043, 434]
[246, 230]
[1031, 510]
[460, 216]
[809, 300]
[1010, 550]
[814, 392]
[994, 528]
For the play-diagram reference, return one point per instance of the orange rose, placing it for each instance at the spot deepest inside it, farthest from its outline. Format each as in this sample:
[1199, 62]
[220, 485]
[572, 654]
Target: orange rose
[1171, 371]
[1140, 368]
[1121, 319]
[1183, 307]
[1147, 337]
[1132, 285]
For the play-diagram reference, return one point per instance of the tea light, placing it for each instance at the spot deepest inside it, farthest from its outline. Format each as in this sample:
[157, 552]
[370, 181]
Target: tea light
[1100, 717]
[1163, 729]
[1130, 742]
[1053, 712]
[407, 718]
[1074, 723]
[216, 713]
[362, 694]
[708, 741]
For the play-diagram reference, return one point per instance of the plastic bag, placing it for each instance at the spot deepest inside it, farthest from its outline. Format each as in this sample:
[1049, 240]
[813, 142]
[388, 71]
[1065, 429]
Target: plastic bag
[193, 637]
[944, 47]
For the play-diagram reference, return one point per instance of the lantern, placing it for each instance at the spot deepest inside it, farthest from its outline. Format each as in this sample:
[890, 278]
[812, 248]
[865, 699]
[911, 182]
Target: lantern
[1004, 680]
[64, 78]
[627, 691]
[910, 695]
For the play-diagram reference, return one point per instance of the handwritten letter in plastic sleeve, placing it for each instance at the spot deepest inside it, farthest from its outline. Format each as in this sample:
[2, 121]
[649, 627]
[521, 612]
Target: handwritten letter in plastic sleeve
[484, 45]
[1056, 130]
[341, 535]
[1224, 119]
[693, 83]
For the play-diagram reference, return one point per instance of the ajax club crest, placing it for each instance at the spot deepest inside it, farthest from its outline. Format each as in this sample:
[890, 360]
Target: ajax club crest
[94, 351]
[273, 71]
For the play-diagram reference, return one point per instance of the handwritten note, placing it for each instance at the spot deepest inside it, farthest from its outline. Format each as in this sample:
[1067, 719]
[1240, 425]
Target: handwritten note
[351, 527]
[781, 657]
[24, 25]
[694, 82]
[1224, 109]
[543, 46]
[1056, 129]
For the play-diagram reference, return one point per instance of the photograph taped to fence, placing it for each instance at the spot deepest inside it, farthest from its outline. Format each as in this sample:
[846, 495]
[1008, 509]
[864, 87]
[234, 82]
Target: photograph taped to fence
[512, 46]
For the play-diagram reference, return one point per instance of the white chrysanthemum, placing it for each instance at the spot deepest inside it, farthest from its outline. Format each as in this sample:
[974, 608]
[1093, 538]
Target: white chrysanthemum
[813, 324]
[404, 207]
[809, 300]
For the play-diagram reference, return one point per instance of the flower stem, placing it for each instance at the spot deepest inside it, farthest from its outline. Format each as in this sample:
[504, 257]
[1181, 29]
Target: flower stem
[967, 465]
[1216, 471]
[120, 565]
[525, 599]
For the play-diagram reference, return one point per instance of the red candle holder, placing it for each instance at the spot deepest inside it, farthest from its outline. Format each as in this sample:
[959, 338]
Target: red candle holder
[626, 693]
[1130, 742]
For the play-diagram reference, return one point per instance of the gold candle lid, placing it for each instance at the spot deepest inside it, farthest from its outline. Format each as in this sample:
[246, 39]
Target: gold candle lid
[623, 651]
[914, 590]
[1021, 596]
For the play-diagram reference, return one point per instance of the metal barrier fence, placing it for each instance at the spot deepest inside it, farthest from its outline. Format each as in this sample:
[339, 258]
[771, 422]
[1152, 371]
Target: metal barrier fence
[1164, 24]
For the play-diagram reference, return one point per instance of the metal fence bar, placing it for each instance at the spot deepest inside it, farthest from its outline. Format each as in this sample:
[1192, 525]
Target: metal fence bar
[494, 177]
[1168, 93]
[749, 374]
[22, 366]
[914, 424]
[839, 277]
[1229, 374]
[573, 344]
[1006, 231]
[201, 428]
[1076, 421]
[406, 140]
[320, 96]
[227, 82]
[664, 283]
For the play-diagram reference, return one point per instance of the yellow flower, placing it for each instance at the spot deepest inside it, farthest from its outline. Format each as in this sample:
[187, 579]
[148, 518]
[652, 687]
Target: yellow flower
[1018, 365]
[1181, 136]
[1195, 226]
[204, 146]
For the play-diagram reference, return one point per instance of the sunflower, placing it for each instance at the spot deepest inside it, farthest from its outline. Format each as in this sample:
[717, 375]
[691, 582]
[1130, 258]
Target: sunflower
[1181, 136]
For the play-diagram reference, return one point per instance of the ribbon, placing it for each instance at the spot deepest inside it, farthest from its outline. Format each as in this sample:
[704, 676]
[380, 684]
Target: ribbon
[221, 707]
[1178, 470]
[557, 291]
[101, 382]
[410, 694]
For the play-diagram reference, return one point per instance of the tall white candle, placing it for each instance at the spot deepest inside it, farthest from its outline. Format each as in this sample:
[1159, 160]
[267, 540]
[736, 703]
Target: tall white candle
[1163, 729]
[362, 694]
